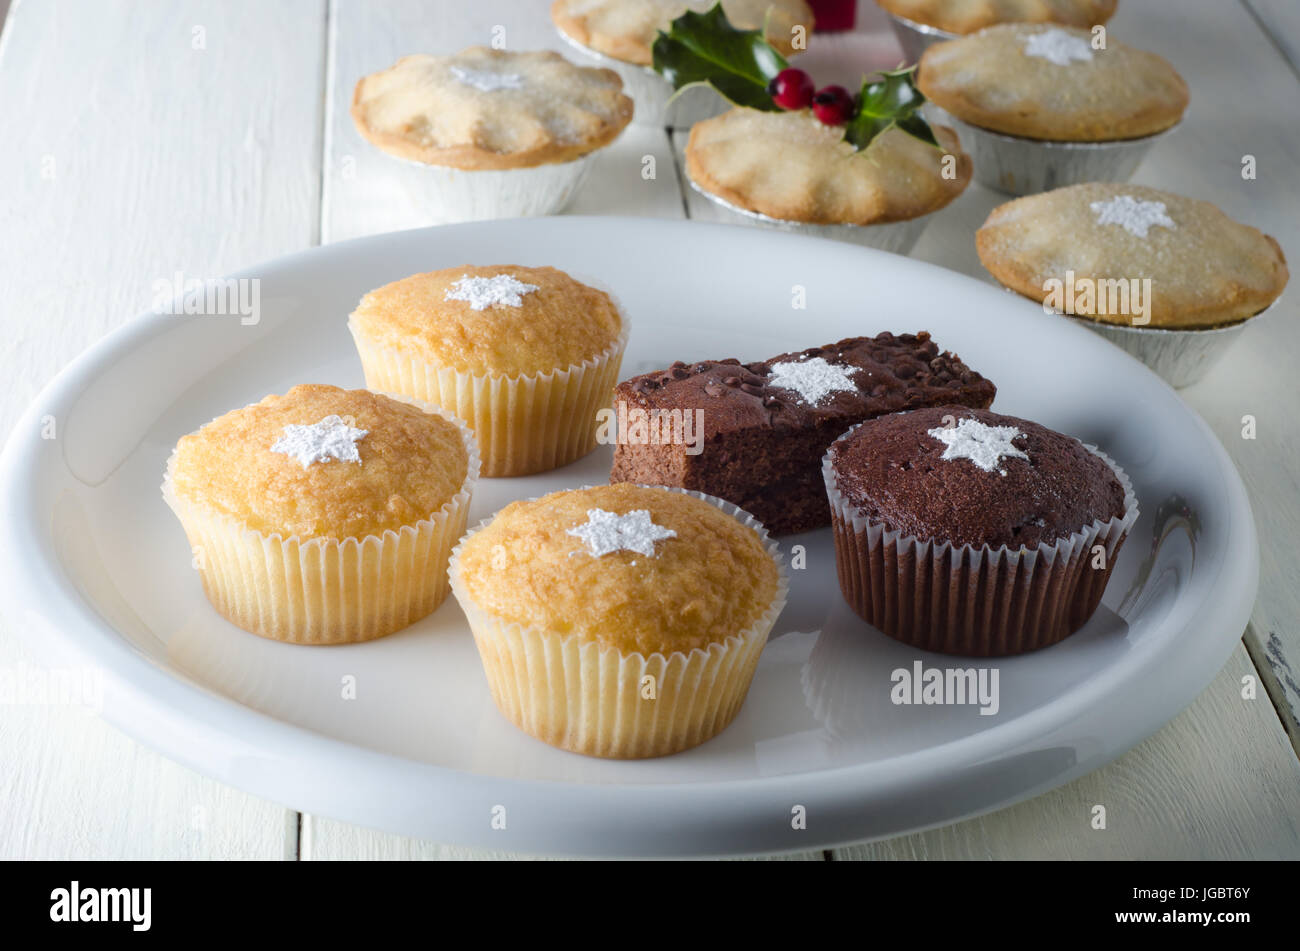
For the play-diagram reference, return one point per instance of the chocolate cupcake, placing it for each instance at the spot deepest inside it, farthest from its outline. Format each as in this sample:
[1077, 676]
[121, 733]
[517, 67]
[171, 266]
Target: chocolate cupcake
[963, 531]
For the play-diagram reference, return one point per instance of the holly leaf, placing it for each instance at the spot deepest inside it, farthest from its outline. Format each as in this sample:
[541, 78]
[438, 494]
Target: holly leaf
[892, 100]
[706, 48]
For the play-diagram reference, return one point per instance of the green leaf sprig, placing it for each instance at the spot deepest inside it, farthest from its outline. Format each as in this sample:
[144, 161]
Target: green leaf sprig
[885, 103]
[705, 49]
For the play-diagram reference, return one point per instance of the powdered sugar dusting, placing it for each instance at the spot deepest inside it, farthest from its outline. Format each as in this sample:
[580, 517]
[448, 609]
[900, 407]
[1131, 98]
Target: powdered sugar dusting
[485, 80]
[1059, 47]
[480, 293]
[331, 438]
[606, 532]
[986, 446]
[1135, 216]
[813, 380]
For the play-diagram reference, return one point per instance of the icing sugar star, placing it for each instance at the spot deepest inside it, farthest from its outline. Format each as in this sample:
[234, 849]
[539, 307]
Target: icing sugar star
[986, 446]
[1135, 216]
[813, 380]
[485, 80]
[1059, 47]
[606, 532]
[480, 293]
[331, 438]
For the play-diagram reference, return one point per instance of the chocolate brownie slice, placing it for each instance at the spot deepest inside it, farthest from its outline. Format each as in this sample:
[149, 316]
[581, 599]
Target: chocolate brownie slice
[755, 433]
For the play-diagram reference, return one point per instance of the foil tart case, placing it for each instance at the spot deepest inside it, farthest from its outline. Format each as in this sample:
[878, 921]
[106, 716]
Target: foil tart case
[1016, 165]
[915, 38]
[896, 236]
[1179, 356]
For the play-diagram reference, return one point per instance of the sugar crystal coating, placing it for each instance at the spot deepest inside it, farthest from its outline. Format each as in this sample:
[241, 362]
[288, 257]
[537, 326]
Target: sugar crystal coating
[331, 438]
[984, 445]
[501, 290]
[607, 532]
[1059, 47]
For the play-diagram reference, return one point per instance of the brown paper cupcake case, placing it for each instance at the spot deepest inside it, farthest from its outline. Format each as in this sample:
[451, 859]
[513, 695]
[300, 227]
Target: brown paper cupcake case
[586, 699]
[981, 602]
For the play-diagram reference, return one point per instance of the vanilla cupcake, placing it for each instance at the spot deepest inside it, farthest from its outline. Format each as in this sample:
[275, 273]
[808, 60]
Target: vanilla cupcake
[490, 133]
[324, 516]
[1041, 106]
[1170, 279]
[526, 356]
[620, 35]
[620, 621]
[919, 23]
[789, 171]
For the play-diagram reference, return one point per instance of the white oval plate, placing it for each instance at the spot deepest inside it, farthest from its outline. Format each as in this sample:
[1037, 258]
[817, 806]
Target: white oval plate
[95, 563]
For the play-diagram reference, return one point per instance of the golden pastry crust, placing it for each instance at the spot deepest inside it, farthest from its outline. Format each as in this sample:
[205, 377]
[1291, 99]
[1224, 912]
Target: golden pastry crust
[989, 80]
[1206, 271]
[788, 165]
[713, 580]
[429, 109]
[626, 29]
[412, 464]
[561, 324]
[967, 16]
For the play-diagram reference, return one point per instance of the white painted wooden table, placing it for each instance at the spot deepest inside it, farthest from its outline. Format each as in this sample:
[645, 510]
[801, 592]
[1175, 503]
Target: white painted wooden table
[144, 137]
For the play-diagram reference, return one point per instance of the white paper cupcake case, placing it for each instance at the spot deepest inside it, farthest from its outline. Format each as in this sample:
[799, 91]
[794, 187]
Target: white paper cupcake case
[651, 93]
[896, 236]
[973, 601]
[524, 424]
[445, 195]
[587, 699]
[326, 591]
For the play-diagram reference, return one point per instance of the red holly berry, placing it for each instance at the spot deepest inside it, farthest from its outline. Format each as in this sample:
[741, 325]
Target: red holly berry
[791, 89]
[833, 105]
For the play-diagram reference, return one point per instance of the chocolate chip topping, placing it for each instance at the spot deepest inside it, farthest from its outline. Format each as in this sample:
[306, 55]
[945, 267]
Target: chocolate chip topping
[892, 470]
[891, 372]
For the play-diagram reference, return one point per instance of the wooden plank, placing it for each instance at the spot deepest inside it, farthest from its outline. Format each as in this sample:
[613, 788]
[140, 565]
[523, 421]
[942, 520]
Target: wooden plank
[1220, 781]
[182, 137]
[1280, 19]
[1204, 158]
[328, 840]
[75, 788]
